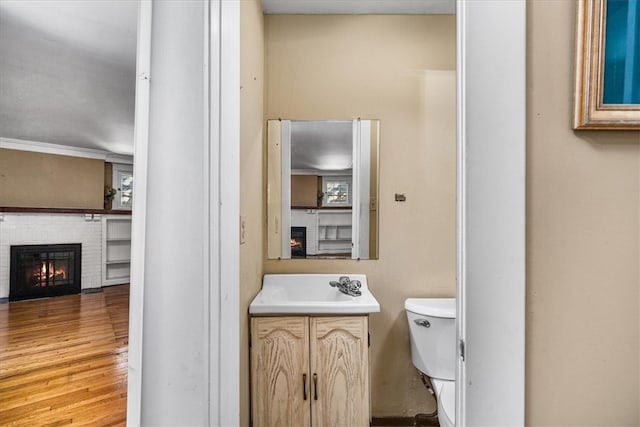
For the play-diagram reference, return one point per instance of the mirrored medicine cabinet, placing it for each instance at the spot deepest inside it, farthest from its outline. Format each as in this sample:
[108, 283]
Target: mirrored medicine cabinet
[322, 189]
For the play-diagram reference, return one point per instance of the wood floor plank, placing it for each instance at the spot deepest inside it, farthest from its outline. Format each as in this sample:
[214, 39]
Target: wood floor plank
[63, 360]
[67, 369]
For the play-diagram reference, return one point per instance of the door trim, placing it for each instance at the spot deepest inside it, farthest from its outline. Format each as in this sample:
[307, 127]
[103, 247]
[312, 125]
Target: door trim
[491, 122]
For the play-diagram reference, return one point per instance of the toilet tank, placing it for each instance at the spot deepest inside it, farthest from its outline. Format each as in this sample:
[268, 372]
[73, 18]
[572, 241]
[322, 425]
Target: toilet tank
[432, 330]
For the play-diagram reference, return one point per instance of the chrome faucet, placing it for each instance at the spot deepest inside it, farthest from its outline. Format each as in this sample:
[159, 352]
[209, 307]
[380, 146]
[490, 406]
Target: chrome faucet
[347, 286]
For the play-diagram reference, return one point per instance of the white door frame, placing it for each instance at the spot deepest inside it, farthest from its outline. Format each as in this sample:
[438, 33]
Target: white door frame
[285, 189]
[139, 214]
[224, 378]
[221, 112]
[491, 86]
[361, 194]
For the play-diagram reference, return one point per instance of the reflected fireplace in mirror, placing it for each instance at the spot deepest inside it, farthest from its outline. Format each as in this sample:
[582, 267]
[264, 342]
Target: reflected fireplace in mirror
[298, 242]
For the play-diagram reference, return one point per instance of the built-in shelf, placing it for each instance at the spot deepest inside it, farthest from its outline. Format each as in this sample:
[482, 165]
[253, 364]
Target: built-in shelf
[334, 231]
[116, 249]
[121, 261]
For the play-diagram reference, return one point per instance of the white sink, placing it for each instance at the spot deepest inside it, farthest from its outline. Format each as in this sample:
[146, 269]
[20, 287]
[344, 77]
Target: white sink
[311, 294]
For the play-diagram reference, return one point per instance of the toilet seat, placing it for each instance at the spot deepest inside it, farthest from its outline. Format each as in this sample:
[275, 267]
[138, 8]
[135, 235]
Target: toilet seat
[446, 397]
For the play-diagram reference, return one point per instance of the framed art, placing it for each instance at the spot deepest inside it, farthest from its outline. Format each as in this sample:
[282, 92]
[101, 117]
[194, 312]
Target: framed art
[607, 78]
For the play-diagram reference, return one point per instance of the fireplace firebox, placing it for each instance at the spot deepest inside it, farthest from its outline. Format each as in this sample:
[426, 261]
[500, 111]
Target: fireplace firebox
[38, 271]
[298, 242]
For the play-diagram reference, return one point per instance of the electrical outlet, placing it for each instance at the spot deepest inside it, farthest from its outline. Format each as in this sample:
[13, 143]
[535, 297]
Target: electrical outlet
[243, 235]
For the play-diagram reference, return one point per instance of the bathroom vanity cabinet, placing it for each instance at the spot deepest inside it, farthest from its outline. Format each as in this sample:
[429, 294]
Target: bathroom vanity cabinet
[310, 371]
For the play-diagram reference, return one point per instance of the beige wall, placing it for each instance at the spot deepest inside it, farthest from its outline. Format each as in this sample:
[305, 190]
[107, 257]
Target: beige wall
[304, 190]
[583, 233]
[29, 179]
[252, 199]
[108, 174]
[398, 69]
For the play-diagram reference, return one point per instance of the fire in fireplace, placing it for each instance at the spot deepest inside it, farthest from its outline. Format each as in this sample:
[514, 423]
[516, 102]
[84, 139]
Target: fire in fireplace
[44, 270]
[298, 242]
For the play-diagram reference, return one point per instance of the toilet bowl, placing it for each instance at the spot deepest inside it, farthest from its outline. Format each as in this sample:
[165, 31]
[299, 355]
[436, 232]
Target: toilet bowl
[446, 398]
[432, 330]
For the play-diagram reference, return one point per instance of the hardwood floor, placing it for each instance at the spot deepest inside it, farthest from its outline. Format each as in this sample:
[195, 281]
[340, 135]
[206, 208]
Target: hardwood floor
[63, 360]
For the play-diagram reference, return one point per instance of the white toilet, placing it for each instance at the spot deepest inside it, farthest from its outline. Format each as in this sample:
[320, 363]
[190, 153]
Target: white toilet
[432, 329]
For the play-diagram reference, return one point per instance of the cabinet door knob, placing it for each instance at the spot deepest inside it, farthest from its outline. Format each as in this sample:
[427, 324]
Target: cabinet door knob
[315, 386]
[304, 386]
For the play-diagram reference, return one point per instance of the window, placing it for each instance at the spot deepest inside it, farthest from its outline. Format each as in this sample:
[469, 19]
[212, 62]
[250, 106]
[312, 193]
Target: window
[336, 190]
[123, 183]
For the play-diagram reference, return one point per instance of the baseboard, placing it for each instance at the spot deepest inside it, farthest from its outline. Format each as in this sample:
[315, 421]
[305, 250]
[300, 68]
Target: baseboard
[113, 285]
[4, 300]
[393, 421]
[420, 420]
[425, 420]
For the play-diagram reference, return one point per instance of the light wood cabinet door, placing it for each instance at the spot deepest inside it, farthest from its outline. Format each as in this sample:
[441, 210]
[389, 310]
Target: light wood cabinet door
[279, 365]
[340, 371]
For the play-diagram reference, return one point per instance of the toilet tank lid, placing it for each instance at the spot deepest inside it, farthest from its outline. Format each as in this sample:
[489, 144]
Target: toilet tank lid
[436, 307]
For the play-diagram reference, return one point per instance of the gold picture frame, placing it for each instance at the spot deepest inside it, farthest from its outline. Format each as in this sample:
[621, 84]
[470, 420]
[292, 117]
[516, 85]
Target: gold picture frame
[590, 110]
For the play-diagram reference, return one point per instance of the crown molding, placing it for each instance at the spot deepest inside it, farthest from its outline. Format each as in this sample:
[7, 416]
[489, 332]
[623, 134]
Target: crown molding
[63, 150]
[119, 158]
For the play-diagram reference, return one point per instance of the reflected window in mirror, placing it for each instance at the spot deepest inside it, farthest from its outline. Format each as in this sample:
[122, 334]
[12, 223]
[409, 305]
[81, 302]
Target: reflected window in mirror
[336, 191]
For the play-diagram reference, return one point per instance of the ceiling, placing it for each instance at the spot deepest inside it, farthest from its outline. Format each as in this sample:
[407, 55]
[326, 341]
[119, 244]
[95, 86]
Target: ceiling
[67, 67]
[67, 72]
[369, 7]
[321, 146]
[107, 29]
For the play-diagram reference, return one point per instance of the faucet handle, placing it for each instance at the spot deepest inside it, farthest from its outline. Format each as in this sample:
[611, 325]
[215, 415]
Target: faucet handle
[347, 286]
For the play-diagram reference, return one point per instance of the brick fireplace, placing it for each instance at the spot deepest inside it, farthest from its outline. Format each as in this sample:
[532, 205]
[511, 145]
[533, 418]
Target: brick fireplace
[44, 270]
[18, 229]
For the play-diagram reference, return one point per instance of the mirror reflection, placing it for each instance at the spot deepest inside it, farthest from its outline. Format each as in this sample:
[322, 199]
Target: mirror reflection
[322, 189]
